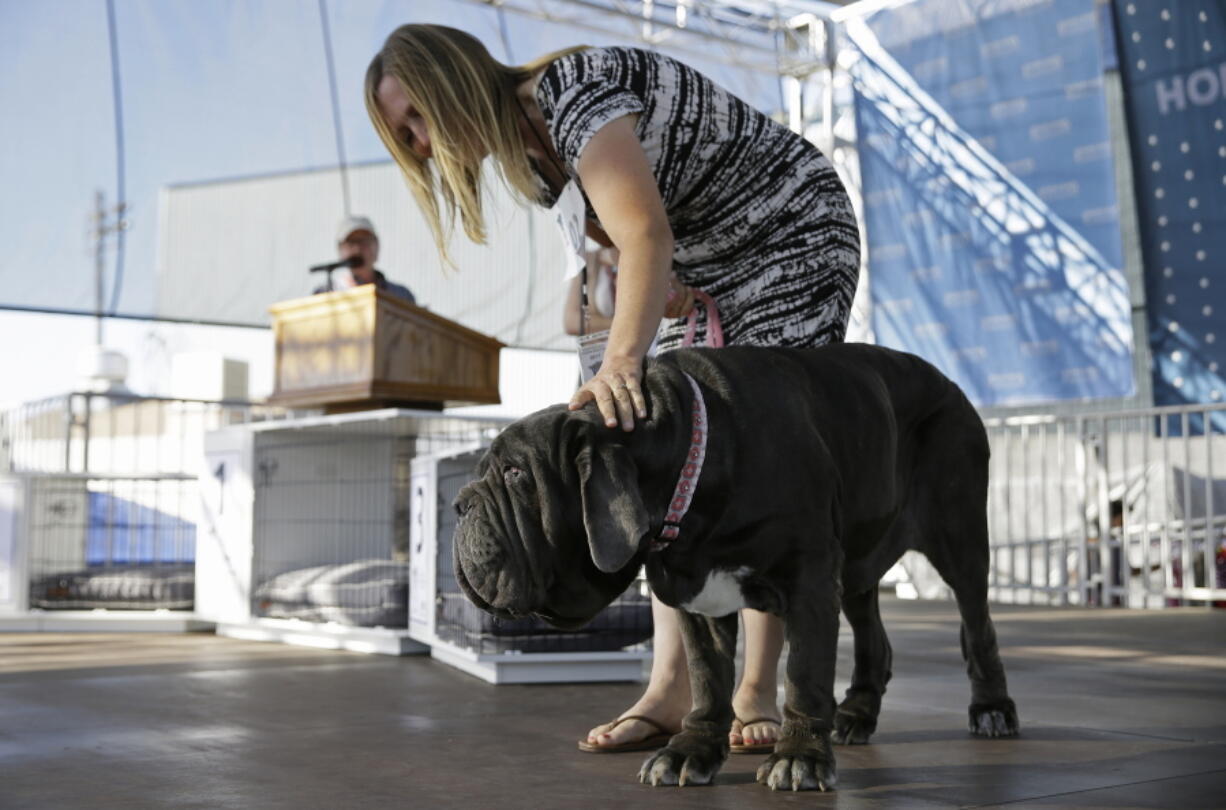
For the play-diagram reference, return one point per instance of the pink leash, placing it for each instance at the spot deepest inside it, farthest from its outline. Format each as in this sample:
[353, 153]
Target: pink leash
[692, 469]
[715, 332]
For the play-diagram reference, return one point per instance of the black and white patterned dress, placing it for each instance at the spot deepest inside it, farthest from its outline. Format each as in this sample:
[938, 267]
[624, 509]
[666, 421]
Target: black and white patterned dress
[760, 219]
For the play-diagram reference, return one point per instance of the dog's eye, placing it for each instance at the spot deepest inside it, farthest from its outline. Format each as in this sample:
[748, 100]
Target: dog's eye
[511, 474]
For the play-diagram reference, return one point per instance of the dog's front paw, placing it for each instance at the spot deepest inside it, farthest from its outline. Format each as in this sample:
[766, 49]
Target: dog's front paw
[850, 729]
[997, 719]
[856, 718]
[799, 767]
[689, 759]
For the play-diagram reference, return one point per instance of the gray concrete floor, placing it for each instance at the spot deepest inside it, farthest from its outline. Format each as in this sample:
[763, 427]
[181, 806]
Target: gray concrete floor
[1119, 709]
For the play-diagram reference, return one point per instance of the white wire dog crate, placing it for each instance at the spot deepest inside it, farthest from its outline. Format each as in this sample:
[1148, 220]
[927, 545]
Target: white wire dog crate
[97, 509]
[97, 552]
[305, 526]
[609, 648]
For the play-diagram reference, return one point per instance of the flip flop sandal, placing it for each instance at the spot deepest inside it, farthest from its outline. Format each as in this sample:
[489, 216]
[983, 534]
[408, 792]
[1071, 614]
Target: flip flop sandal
[650, 743]
[756, 748]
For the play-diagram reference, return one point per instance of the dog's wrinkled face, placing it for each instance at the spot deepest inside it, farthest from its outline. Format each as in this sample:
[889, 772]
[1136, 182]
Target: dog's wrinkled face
[554, 523]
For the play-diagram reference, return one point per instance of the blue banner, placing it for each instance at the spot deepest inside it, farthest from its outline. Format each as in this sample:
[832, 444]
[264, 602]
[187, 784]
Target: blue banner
[1173, 60]
[989, 196]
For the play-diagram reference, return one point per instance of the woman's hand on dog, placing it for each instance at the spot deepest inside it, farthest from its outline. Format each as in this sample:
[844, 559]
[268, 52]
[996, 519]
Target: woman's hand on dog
[617, 390]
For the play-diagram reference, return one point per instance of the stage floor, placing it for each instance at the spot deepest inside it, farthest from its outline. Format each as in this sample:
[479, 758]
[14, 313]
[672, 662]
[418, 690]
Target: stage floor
[1118, 708]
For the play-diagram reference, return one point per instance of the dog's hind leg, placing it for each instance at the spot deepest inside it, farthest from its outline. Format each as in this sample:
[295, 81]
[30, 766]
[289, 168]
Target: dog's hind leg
[956, 542]
[992, 712]
[856, 718]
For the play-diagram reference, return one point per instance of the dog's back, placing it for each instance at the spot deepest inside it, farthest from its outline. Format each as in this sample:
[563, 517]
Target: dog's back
[850, 392]
[911, 450]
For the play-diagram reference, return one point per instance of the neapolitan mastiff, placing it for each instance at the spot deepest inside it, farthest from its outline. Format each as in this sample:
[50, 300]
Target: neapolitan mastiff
[785, 480]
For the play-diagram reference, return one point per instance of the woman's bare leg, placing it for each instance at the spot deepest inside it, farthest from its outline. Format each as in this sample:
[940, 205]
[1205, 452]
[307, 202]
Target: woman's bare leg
[667, 697]
[757, 695]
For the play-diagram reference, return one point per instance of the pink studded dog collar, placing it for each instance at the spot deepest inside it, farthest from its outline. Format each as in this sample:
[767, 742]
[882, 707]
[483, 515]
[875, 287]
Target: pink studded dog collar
[687, 482]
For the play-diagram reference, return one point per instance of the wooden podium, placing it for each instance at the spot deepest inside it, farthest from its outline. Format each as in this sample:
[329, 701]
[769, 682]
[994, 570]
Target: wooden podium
[362, 348]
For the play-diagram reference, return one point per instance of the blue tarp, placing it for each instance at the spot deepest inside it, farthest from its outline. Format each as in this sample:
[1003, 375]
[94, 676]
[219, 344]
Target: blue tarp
[124, 532]
[990, 202]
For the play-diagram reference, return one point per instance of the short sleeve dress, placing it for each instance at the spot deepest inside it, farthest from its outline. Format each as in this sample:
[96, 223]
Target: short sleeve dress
[760, 220]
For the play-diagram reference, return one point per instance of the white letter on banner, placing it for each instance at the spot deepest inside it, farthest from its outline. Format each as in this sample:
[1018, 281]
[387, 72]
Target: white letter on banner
[1206, 78]
[1168, 94]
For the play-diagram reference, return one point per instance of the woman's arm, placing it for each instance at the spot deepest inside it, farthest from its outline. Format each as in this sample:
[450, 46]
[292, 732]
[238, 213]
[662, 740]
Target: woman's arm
[597, 234]
[623, 192]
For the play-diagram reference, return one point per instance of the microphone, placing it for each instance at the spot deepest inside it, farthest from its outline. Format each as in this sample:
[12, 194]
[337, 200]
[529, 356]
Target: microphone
[352, 261]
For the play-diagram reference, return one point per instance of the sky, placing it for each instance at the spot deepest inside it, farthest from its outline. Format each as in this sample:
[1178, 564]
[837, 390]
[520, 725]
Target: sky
[209, 90]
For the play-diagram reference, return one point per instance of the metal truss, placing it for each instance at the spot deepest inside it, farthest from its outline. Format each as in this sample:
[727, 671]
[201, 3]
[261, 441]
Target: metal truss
[983, 202]
[766, 36]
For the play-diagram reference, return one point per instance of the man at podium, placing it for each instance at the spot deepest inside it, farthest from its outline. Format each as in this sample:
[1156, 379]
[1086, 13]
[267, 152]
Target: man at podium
[356, 239]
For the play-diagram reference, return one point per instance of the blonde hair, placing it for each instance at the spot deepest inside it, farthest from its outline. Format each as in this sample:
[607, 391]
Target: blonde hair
[467, 99]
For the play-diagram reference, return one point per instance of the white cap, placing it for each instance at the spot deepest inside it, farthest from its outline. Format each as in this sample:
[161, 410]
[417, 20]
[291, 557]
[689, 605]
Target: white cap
[350, 224]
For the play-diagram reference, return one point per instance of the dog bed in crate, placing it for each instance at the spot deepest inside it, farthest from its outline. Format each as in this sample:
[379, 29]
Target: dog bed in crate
[624, 622]
[363, 593]
[117, 587]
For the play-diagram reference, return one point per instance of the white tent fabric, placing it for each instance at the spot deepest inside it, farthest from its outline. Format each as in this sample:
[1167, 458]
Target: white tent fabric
[211, 91]
[275, 227]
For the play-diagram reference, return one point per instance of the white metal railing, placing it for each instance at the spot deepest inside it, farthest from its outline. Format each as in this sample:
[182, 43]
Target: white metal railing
[1110, 509]
[104, 488]
[115, 433]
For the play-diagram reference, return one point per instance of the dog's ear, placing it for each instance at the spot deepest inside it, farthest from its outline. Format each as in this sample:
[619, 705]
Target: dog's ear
[613, 511]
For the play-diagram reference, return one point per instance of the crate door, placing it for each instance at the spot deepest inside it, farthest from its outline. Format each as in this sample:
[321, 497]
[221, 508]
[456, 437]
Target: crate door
[423, 546]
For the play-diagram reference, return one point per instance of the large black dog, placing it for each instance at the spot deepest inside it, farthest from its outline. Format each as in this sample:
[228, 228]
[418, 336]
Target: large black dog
[786, 480]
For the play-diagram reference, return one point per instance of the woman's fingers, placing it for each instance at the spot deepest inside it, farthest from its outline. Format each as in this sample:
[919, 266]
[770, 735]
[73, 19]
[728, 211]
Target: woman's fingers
[606, 400]
[637, 399]
[600, 391]
[687, 304]
[581, 398]
[680, 302]
[619, 398]
[625, 404]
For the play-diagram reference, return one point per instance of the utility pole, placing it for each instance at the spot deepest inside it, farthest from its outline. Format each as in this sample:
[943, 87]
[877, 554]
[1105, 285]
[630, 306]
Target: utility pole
[104, 226]
[103, 370]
